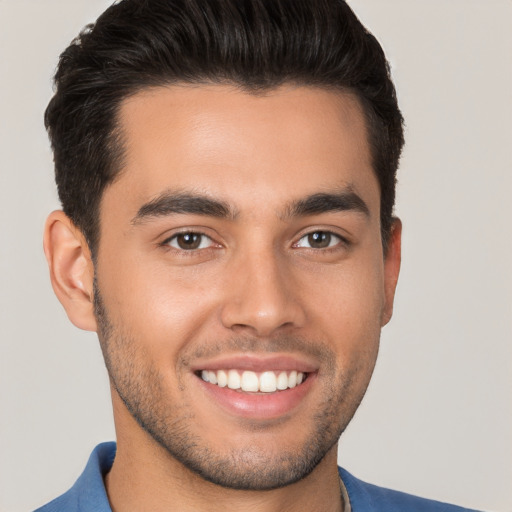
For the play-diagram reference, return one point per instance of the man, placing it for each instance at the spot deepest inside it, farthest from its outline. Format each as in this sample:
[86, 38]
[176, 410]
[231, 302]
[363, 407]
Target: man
[227, 170]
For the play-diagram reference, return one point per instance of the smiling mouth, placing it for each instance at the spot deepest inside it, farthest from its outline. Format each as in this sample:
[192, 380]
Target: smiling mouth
[254, 382]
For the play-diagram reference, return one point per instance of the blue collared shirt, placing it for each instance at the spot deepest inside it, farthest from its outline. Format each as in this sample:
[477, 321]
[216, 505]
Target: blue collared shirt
[88, 494]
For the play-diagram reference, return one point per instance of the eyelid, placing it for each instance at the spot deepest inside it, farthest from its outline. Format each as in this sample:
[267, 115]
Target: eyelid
[166, 242]
[342, 239]
[204, 238]
[334, 238]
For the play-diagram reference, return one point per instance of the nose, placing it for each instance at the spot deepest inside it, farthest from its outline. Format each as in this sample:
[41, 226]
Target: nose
[262, 296]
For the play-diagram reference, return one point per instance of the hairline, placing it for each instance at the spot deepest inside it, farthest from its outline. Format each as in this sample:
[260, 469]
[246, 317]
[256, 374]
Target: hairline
[117, 138]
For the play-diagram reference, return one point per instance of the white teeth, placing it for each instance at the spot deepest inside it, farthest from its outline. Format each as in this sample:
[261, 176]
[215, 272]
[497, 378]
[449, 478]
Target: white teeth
[265, 382]
[233, 380]
[282, 381]
[250, 381]
[222, 379]
[268, 382]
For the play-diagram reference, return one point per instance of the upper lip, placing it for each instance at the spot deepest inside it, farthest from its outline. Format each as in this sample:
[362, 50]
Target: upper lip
[257, 363]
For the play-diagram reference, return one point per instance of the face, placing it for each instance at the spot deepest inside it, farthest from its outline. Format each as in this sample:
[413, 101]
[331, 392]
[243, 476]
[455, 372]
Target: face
[241, 285]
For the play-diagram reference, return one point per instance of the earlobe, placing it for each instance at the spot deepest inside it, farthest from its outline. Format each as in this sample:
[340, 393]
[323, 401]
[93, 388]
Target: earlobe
[71, 269]
[392, 262]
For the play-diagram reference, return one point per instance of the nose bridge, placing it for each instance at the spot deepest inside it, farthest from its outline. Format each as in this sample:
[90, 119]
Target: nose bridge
[262, 295]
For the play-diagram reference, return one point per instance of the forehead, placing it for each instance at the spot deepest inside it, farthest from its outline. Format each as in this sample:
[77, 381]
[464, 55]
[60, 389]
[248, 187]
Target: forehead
[221, 141]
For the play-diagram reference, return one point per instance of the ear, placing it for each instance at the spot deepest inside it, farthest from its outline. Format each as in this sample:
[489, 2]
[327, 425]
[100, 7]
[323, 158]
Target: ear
[392, 262]
[71, 269]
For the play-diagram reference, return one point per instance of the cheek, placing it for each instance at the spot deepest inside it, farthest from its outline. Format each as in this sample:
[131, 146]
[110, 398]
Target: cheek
[346, 310]
[349, 298]
[161, 308]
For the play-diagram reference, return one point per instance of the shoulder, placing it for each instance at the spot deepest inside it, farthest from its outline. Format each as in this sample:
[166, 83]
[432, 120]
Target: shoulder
[365, 497]
[68, 501]
[88, 493]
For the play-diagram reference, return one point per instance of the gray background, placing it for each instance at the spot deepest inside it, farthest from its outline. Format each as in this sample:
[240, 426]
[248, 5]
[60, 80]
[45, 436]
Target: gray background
[437, 420]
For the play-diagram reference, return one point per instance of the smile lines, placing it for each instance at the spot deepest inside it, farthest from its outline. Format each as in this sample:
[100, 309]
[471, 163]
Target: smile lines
[265, 382]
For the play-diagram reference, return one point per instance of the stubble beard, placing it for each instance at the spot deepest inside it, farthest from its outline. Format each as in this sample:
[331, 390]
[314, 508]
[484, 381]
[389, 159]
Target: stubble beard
[251, 468]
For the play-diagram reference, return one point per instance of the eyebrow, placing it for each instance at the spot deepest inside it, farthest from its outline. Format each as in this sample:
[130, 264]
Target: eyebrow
[345, 200]
[170, 203]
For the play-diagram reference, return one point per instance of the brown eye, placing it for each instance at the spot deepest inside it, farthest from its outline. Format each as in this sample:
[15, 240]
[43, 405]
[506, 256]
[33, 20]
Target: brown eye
[319, 240]
[189, 241]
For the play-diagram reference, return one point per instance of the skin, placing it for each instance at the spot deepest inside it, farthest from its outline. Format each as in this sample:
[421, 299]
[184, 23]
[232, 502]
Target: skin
[255, 287]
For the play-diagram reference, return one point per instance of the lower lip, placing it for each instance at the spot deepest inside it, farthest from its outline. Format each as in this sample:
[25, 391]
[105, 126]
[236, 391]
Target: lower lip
[262, 406]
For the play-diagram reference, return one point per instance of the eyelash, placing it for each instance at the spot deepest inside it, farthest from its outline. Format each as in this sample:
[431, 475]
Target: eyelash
[168, 241]
[191, 251]
[324, 232]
